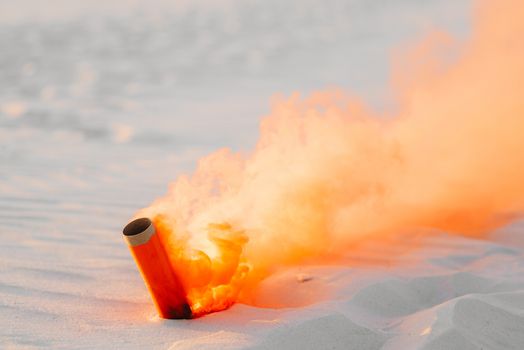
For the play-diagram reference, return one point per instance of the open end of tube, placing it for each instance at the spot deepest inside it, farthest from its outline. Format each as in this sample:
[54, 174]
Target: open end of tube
[136, 226]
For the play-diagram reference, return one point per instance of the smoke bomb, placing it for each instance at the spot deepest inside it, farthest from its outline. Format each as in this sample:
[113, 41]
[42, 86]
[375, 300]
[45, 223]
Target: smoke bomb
[151, 258]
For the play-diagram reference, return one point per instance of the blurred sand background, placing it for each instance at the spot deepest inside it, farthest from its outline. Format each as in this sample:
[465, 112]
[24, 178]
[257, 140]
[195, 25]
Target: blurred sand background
[103, 103]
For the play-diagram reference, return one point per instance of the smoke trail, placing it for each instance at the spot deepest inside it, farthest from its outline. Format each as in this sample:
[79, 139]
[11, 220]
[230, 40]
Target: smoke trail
[327, 172]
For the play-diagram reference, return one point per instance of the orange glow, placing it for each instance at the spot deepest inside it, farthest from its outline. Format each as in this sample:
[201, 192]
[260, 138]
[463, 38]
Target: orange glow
[327, 173]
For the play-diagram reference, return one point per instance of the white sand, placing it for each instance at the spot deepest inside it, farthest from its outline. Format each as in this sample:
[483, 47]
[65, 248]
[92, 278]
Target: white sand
[100, 112]
[454, 293]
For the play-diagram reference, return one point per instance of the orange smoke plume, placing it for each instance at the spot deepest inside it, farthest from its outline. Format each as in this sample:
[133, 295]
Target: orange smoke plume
[328, 173]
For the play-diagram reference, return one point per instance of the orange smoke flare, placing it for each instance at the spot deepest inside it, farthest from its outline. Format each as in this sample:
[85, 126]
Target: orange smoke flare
[150, 256]
[327, 173]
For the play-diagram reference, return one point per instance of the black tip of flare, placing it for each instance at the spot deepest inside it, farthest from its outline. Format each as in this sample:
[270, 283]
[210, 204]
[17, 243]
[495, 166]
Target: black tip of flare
[187, 313]
[136, 226]
[180, 312]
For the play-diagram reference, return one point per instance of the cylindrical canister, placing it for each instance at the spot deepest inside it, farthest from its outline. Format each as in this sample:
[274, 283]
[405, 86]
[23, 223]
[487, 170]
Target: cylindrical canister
[153, 262]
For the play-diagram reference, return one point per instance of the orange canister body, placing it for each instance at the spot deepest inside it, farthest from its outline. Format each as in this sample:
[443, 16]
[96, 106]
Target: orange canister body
[153, 262]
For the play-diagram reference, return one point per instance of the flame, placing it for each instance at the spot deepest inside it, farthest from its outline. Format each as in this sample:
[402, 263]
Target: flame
[328, 173]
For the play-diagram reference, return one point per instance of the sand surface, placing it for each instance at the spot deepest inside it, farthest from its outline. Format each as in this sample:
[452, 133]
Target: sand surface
[102, 105]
